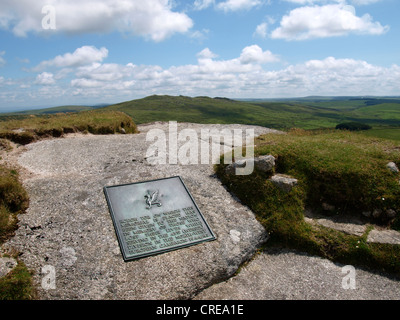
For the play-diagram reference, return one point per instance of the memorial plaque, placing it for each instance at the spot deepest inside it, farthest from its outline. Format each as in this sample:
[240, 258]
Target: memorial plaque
[156, 216]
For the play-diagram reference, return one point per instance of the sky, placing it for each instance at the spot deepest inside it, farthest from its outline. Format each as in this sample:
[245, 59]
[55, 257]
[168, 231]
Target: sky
[88, 52]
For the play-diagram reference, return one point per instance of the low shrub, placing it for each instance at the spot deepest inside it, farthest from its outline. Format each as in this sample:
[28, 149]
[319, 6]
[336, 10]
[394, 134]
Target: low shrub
[353, 126]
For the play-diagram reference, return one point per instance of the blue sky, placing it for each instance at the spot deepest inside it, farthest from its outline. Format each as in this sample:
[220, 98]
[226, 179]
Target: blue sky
[58, 52]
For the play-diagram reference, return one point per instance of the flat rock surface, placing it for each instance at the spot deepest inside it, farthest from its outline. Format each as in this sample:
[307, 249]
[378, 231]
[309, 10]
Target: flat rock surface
[384, 236]
[290, 275]
[67, 233]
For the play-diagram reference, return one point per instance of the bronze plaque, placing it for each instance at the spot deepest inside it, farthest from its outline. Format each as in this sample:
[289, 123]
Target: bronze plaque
[153, 217]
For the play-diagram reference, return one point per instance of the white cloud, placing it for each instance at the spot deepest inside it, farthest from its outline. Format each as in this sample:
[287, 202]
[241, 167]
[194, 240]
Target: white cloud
[98, 79]
[45, 78]
[235, 5]
[325, 21]
[105, 72]
[247, 75]
[152, 19]
[198, 35]
[261, 30]
[243, 76]
[206, 54]
[302, 2]
[227, 5]
[82, 56]
[254, 54]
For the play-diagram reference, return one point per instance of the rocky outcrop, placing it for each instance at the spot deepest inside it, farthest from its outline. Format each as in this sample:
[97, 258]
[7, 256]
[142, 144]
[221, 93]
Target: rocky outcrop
[265, 163]
[393, 167]
[284, 182]
[290, 275]
[68, 229]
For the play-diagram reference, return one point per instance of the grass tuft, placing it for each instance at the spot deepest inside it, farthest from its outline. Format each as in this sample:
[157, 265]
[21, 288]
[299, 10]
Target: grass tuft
[26, 130]
[17, 285]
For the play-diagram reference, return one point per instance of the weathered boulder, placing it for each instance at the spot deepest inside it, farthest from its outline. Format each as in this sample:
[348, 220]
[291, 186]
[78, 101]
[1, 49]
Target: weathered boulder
[6, 265]
[231, 168]
[393, 167]
[384, 236]
[264, 163]
[284, 182]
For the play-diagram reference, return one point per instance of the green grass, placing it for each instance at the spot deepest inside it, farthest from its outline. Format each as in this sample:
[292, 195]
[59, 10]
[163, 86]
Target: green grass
[17, 285]
[33, 128]
[346, 170]
[386, 111]
[13, 201]
[391, 133]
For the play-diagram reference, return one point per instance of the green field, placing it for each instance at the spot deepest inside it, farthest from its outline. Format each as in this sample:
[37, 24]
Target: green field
[392, 133]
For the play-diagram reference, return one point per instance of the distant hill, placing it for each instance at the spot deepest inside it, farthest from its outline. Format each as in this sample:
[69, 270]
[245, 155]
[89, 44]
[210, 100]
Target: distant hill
[59, 109]
[306, 113]
[48, 111]
[223, 110]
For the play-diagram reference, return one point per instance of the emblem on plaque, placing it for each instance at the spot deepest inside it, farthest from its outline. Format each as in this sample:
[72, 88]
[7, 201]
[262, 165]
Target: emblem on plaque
[152, 199]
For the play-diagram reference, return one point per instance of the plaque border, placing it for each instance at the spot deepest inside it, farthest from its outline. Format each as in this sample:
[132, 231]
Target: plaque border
[164, 250]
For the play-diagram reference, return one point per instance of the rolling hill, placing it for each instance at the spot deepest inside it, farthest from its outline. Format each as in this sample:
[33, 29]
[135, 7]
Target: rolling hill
[311, 113]
[382, 113]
